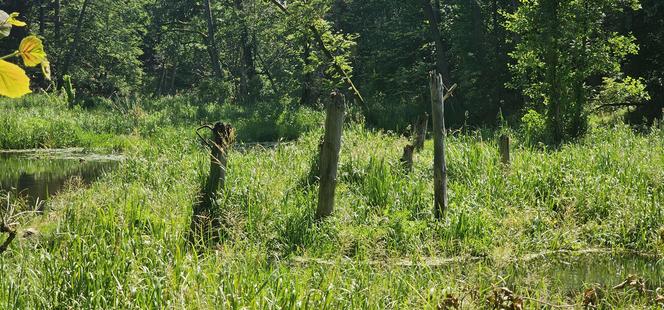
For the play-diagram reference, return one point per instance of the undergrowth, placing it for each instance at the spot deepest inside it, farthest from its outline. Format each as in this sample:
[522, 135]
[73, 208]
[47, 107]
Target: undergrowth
[120, 243]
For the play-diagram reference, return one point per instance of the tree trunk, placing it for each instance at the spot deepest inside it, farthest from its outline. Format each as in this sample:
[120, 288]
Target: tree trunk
[329, 156]
[58, 22]
[171, 86]
[433, 17]
[307, 96]
[552, 57]
[162, 81]
[77, 37]
[211, 42]
[439, 165]
[42, 18]
[247, 64]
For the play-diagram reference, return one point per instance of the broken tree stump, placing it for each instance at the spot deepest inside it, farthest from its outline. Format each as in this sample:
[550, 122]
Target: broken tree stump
[407, 158]
[418, 136]
[329, 154]
[505, 149]
[11, 234]
[438, 97]
[204, 217]
[421, 131]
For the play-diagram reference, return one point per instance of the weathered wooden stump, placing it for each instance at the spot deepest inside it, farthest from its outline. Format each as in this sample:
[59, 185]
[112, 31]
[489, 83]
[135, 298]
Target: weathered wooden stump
[407, 158]
[421, 131]
[505, 149]
[438, 97]
[205, 217]
[329, 154]
[418, 136]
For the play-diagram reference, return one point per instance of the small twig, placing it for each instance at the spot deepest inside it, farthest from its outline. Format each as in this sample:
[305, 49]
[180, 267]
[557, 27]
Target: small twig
[450, 92]
[201, 137]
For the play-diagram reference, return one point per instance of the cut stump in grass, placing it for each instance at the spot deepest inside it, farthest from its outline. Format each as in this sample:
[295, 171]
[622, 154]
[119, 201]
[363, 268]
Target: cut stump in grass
[204, 218]
[505, 149]
[418, 137]
[329, 154]
[407, 158]
[421, 128]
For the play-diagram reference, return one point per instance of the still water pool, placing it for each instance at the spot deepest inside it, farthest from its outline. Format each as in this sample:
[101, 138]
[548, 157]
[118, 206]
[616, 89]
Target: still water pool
[35, 175]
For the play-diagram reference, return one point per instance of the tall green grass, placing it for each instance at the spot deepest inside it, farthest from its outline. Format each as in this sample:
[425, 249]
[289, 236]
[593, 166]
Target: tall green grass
[120, 243]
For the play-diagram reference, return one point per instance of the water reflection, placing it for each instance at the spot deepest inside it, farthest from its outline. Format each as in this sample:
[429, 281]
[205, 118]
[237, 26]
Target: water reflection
[574, 272]
[36, 176]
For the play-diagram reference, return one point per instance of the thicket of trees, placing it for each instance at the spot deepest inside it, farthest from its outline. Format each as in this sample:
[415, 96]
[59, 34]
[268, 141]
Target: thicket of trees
[554, 61]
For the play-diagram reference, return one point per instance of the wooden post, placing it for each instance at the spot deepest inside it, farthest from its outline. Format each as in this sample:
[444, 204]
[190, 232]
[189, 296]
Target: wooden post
[505, 149]
[223, 135]
[418, 136]
[407, 158]
[439, 165]
[329, 155]
[421, 131]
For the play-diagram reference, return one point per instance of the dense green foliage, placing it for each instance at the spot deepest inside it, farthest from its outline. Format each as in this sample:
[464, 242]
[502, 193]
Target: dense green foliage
[250, 54]
[121, 242]
[562, 44]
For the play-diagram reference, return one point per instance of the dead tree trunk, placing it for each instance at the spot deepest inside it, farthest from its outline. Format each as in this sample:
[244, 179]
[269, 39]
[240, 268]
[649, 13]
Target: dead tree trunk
[438, 97]
[329, 156]
[204, 217]
[505, 149]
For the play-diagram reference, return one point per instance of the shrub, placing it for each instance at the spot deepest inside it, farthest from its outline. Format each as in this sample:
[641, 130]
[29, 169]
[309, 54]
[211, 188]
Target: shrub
[533, 126]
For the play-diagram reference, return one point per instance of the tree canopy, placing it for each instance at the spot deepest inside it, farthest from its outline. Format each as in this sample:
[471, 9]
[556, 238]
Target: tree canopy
[558, 59]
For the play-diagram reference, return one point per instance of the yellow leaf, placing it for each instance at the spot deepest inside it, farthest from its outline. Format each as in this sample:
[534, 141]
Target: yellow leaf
[13, 21]
[32, 51]
[13, 81]
[46, 69]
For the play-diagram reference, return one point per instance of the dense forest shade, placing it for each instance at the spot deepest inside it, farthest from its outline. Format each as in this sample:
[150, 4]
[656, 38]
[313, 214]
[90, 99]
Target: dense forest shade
[251, 54]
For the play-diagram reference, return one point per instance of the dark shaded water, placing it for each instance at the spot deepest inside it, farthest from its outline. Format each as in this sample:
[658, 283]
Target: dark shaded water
[35, 176]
